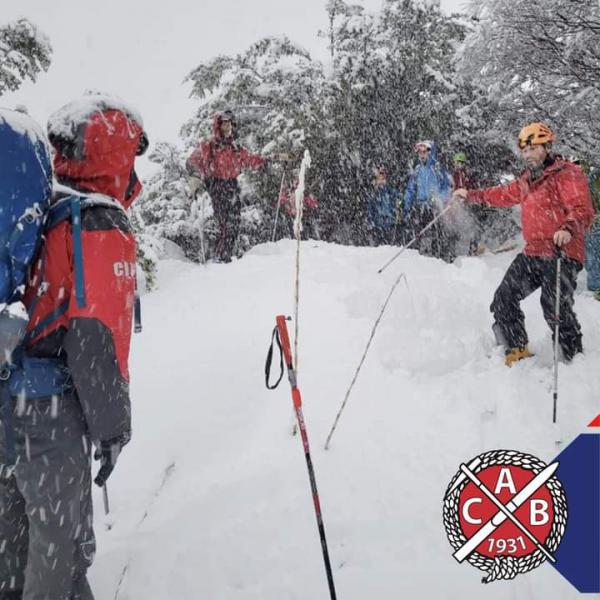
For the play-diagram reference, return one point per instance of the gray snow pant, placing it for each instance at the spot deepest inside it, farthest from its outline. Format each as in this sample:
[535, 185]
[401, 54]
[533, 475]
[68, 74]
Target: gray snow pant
[46, 531]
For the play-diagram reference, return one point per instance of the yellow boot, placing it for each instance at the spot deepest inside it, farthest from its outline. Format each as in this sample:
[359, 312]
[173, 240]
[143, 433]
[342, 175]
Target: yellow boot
[515, 354]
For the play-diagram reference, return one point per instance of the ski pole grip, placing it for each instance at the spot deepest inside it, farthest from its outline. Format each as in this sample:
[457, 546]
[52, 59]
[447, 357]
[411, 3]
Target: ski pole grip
[285, 339]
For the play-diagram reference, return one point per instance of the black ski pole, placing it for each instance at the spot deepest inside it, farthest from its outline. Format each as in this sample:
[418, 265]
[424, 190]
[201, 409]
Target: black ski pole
[556, 333]
[281, 336]
[137, 313]
[105, 499]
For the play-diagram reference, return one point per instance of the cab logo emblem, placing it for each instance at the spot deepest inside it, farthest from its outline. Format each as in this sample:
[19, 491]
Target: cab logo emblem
[505, 513]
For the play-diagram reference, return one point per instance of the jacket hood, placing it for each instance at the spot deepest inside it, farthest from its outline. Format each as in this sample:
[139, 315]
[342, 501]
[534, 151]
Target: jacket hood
[96, 141]
[216, 127]
[432, 158]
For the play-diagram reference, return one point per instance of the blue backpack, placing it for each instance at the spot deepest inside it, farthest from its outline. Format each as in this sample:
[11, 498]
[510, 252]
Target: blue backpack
[25, 188]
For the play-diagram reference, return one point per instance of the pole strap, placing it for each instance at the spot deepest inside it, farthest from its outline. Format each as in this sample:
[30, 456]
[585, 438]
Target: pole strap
[274, 338]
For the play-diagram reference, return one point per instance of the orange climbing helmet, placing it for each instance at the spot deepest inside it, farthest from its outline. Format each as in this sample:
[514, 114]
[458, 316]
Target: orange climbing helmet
[535, 134]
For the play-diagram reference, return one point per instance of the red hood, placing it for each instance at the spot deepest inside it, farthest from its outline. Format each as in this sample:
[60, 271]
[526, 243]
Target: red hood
[102, 155]
[216, 127]
[216, 130]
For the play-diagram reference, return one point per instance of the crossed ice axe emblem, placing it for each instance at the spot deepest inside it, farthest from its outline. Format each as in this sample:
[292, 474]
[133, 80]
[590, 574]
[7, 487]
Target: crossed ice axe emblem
[505, 511]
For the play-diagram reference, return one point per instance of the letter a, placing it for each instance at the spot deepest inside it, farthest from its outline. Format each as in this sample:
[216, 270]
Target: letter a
[505, 480]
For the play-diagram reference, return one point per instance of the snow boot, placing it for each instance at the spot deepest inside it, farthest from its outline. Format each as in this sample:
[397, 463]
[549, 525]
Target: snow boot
[515, 354]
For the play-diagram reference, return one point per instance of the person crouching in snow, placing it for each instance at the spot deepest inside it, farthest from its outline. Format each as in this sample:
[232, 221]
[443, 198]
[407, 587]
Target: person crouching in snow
[556, 210]
[382, 203]
[219, 161]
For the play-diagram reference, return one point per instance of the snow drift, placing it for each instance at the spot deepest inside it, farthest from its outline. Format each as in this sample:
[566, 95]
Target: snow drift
[233, 518]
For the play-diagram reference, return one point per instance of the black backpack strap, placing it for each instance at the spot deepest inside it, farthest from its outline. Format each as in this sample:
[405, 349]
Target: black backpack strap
[274, 338]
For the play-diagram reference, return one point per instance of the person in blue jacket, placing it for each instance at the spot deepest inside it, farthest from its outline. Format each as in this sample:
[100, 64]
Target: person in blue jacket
[382, 203]
[428, 190]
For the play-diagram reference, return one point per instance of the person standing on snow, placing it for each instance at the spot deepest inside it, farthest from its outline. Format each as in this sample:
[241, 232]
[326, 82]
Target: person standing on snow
[310, 205]
[468, 231]
[382, 203]
[219, 161]
[592, 238]
[460, 175]
[556, 210]
[427, 191]
[70, 381]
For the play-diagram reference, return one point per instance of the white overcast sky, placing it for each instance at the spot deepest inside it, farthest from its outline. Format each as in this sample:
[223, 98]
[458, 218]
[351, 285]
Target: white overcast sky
[141, 50]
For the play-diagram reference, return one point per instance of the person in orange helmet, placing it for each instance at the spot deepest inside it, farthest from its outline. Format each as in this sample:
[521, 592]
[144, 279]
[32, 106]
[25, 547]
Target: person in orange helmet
[556, 211]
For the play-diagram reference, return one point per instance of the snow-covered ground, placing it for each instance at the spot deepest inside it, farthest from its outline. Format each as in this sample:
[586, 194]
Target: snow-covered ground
[234, 519]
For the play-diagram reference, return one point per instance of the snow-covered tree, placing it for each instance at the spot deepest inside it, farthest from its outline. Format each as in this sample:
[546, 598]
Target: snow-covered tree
[164, 209]
[24, 53]
[273, 88]
[395, 82]
[540, 60]
[166, 212]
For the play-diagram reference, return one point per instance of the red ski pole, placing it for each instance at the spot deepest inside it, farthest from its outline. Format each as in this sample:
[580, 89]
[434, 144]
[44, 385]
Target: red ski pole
[280, 334]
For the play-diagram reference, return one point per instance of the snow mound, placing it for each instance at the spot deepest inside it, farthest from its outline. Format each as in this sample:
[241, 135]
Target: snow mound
[234, 518]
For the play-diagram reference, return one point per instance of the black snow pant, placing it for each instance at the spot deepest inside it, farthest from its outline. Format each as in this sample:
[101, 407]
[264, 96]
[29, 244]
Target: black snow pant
[46, 532]
[433, 242]
[525, 275]
[227, 206]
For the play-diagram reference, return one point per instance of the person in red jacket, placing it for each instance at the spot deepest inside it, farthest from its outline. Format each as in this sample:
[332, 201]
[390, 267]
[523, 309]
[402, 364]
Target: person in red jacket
[287, 202]
[460, 175]
[556, 210]
[219, 161]
[465, 228]
[70, 383]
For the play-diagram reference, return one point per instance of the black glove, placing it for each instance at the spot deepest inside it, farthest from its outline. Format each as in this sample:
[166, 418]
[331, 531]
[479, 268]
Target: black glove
[107, 453]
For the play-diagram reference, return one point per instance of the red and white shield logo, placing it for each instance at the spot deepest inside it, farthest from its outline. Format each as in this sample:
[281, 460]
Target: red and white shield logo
[505, 513]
